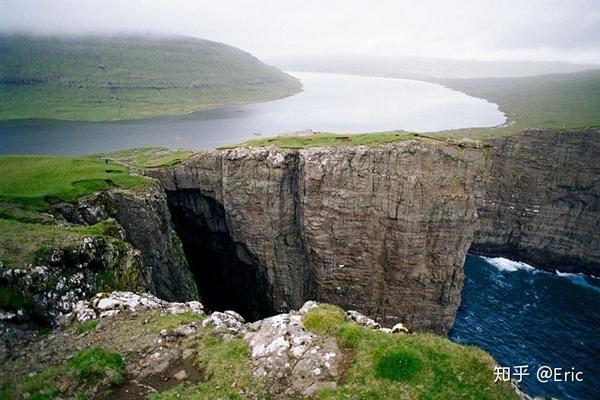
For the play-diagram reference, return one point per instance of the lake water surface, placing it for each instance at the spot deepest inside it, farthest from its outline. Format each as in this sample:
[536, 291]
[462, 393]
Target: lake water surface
[329, 102]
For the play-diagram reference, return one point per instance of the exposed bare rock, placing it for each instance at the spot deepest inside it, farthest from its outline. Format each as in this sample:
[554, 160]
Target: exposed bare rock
[109, 304]
[71, 272]
[228, 321]
[361, 319]
[147, 223]
[380, 230]
[283, 350]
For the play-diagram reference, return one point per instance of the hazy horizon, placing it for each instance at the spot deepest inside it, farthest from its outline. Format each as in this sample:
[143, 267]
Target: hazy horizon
[510, 30]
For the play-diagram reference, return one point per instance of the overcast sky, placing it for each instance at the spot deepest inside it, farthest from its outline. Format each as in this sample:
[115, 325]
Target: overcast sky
[567, 30]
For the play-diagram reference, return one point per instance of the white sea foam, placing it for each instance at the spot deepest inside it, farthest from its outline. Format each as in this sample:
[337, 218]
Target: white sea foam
[581, 280]
[506, 265]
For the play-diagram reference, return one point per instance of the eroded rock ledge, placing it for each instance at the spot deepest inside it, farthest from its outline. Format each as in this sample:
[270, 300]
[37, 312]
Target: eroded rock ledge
[382, 230]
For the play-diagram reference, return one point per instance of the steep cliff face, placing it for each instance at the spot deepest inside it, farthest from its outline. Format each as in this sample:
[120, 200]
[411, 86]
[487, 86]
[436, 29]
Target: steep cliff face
[146, 222]
[382, 230]
[542, 201]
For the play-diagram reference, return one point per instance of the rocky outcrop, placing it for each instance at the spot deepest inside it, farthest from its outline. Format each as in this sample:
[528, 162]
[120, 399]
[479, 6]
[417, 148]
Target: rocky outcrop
[381, 230]
[146, 221]
[282, 350]
[104, 305]
[69, 273]
[542, 201]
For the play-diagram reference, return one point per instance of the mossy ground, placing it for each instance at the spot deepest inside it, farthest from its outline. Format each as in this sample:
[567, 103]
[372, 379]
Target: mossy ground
[396, 366]
[86, 369]
[22, 243]
[41, 370]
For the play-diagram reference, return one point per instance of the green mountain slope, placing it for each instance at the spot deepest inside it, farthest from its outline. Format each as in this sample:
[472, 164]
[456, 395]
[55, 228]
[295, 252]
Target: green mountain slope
[553, 101]
[128, 77]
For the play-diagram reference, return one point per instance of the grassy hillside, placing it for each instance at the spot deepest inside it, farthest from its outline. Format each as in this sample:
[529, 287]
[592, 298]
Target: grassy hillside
[128, 77]
[425, 67]
[555, 101]
[36, 182]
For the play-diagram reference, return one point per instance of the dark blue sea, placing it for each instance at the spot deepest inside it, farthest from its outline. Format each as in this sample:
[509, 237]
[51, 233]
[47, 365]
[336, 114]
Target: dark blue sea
[525, 316]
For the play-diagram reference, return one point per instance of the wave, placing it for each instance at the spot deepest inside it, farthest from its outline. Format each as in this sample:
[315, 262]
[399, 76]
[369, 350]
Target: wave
[582, 280]
[506, 265]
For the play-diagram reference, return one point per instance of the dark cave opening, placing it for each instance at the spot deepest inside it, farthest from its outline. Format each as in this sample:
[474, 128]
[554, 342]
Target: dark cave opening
[228, 276]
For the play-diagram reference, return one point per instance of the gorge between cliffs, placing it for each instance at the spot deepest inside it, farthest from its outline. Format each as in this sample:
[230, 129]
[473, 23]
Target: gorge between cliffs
[383, 230]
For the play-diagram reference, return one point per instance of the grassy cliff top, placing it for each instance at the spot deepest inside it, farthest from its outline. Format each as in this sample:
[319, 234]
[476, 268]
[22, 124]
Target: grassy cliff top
[37, 182]
[128, 77]
[320, 139]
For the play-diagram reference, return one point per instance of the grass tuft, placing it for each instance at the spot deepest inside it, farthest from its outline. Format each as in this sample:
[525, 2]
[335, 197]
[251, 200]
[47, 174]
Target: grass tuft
[416, 366]
[324, 320]
[94, 363]
[87, 326]
[398, 365]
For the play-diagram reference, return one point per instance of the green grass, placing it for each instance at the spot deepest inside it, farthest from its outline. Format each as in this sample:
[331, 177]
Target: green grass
[159, 322]
[13, 301]
[94, 363]
[416, 366]
[38, 181]
[556, 101]
[335, 140]
[87, 326]
[128, 77]
[399, 365]
[21, 243]
[324, 320]
[228, 369]
[16, 213]
[149, 157]
[86, 369]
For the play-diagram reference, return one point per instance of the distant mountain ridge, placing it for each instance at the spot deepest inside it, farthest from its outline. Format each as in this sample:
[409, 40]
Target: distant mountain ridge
[129, 76]
[426, 68]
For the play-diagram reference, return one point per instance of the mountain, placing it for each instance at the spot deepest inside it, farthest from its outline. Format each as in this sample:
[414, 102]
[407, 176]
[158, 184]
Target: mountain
[128, 77]
[424, 67]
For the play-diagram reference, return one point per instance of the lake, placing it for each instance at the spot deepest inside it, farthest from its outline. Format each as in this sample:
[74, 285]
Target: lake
[329, 103]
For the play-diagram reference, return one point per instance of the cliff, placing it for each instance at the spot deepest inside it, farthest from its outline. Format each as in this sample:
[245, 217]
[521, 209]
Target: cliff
[144, 216]
[542, 200]
[383, 230]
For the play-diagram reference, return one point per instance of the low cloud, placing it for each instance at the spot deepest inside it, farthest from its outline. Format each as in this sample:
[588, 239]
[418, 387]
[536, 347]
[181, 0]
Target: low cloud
[468, 29]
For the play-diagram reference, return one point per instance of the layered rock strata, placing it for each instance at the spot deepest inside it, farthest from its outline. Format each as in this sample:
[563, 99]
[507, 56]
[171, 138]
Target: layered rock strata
[542, 201]
[381, 230]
